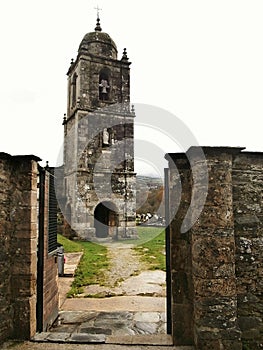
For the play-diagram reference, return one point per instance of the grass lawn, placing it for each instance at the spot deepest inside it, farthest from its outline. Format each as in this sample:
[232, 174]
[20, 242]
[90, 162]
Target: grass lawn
[92, 263]
[152, 251]
[70, 246]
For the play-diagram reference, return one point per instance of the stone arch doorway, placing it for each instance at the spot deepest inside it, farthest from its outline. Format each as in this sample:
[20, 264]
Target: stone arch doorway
[106, 220]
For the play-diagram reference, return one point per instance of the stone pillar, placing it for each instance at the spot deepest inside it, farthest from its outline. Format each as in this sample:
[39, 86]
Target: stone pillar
[24, 245]
[204, 298]
[248, 210]
[6, 310]
[179, 182]
[18, 238]
[213, 257]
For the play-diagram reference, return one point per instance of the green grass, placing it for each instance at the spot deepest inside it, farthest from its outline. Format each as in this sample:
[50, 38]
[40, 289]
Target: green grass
[145, 234]
[152, 251]
[91, 266]
[69, 246]
[90, 270]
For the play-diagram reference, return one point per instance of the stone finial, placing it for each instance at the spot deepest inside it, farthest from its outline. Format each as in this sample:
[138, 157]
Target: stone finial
[64, 119]
[72, 61]
[124, 55]
[47, 165]
[133, 109]
[98, 27]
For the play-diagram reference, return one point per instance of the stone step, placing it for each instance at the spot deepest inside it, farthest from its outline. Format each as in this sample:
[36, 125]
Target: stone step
[68, 346]
[153, 339]
[149, 342]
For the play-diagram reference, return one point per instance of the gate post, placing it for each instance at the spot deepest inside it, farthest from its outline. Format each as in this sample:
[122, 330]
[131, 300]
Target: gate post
[23, 201]
[204, 296]
[179, 193]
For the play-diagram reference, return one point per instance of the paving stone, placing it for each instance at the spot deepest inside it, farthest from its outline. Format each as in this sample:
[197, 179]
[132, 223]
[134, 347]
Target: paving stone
[163, 316]
[64, 328]
[146, 283]
[53, 346]
[113, 323]
[113, 319]
[58, 337]
[120, 303]
[145, 327]
[95, 330]
[76, 316]
[162, 328]
[116, 315]
[40, 337]
[154, 339]
[87, 338]
[147, 317]
[121, 324]
[87, 324]
[126, 331]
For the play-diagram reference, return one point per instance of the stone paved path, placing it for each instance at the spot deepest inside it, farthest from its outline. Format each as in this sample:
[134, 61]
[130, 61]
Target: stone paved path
[132, 303]
[118, 303]
[108, 327]
[127, 276]
[124, 262]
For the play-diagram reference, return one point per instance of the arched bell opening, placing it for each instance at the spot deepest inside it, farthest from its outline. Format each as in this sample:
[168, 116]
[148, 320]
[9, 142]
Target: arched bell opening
[104, 84]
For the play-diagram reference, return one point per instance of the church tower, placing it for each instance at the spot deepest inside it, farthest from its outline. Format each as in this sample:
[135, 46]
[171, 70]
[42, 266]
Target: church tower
[99, 179]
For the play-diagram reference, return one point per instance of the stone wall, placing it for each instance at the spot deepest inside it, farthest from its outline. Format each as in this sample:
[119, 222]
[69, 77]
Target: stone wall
[248, 213]
[216, 264]
[21, 236]
[18, 238]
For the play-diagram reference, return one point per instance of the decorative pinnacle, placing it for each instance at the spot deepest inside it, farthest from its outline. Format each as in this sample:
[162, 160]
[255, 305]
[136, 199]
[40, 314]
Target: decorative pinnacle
[64, 119]
[124, 55]
[98, 27]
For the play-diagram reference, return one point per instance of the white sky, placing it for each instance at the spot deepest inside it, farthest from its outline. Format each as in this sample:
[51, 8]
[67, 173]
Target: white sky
[200, 60]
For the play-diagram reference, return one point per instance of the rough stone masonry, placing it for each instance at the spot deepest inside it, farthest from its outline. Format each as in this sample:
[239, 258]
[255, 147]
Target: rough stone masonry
[217, 300]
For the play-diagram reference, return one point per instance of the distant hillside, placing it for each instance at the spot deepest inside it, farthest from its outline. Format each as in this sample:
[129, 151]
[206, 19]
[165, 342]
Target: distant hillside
[149, 195]
[149, 181]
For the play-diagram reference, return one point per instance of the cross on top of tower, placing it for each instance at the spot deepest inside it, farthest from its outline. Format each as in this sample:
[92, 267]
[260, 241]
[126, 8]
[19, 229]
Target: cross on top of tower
[98, 11]
[98, 27]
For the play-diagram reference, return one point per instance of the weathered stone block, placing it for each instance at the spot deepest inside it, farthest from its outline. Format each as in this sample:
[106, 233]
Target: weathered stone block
[214, 287]
[182, 324]
[219, 313]
[24, 318]
[249, 322]
[24, 286]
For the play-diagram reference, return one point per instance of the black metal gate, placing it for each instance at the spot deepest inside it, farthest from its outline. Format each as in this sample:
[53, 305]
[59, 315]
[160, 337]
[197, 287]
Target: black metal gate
[47, 215]
[168, 255]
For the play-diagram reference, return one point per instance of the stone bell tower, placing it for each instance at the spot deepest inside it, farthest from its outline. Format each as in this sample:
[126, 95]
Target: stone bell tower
[99, 180]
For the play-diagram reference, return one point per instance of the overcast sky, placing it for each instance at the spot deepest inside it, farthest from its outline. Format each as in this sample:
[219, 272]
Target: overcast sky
[200, 60]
